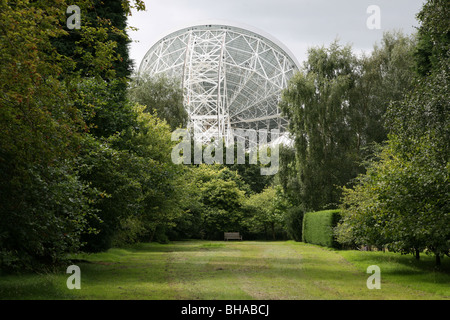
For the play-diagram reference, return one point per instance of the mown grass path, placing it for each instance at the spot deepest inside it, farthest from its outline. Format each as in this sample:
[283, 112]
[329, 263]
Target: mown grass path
[229, 271]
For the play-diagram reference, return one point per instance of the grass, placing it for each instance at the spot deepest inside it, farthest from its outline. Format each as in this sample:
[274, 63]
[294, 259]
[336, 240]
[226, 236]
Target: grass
[236, 270]
[420, 274]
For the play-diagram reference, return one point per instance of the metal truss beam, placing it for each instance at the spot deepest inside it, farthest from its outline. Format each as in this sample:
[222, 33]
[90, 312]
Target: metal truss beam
[232, 77]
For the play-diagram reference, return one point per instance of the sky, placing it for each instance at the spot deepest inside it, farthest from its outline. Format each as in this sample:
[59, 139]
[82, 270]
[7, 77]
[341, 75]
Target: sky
[298, 24]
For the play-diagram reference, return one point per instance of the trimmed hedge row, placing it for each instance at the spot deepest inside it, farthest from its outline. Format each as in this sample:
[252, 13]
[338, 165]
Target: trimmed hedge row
[318, 227]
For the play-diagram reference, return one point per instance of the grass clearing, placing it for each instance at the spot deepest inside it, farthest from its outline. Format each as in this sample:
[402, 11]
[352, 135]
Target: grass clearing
[235, 270]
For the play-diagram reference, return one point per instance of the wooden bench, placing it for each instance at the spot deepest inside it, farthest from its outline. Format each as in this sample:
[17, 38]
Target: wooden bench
[232, 236]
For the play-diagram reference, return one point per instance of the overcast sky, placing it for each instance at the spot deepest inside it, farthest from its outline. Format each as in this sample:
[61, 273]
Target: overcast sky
[298, 24]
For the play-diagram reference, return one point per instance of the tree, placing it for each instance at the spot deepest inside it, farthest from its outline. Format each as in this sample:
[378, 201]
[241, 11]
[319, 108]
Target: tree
[266, 212]
[248, 172]
[385, 77]
[98, 52]
[162, 181]
[45, 205]
[222, 202]
[162, 95]
[433, 36]
[336, 106]
[403, 200]
[216, 199]
[137, 178]
[400, 203]
[288, 180]
[420, 124]
[317, 104]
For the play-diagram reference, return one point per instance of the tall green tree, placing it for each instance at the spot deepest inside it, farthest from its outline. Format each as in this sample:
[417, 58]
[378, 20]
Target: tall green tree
[385, 77]
[401, 203]
[420, 128]
[162, 95]
[217, 196]
[266, 212]
[107, 162]
[99, 51]
[317, 103]
[45, 205]
[403, 200]
[433, 36]
[336, 105]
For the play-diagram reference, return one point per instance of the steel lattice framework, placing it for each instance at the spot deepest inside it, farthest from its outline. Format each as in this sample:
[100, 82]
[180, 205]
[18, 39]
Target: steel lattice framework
[232, 76]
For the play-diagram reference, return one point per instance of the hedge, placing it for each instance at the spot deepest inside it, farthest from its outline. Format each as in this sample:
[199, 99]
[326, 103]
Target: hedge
[317, 227]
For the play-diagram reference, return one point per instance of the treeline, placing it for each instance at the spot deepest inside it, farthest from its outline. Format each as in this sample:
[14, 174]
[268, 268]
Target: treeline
[85, 150]
[79, 162]
[403, 200]
[372, 138]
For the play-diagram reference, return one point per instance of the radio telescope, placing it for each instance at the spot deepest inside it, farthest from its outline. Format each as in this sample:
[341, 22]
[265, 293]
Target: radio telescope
[232, 76]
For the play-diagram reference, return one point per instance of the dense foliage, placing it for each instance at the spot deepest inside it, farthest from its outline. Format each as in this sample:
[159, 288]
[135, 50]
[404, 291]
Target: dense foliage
[402, 202]
[318, 228]
[49, 109]
[85, 151]
[336, 105]
[160, 95]
[266, 213]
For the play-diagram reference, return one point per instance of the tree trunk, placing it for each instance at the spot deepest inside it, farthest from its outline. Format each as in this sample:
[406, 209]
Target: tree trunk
[273, 230]
[152, 234]
[417, 254]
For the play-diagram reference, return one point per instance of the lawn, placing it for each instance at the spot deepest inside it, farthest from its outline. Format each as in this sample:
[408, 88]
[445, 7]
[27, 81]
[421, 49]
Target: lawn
[236, 270]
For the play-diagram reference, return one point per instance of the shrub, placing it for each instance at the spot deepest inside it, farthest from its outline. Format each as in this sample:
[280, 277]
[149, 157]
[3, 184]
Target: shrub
[43, 212]
[318, 227]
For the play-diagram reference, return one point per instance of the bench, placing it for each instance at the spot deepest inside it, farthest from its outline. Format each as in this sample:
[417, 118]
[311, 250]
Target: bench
[232, 236]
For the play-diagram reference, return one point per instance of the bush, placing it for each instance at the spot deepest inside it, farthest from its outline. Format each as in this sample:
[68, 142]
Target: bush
[318, 227]
[43, 212]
